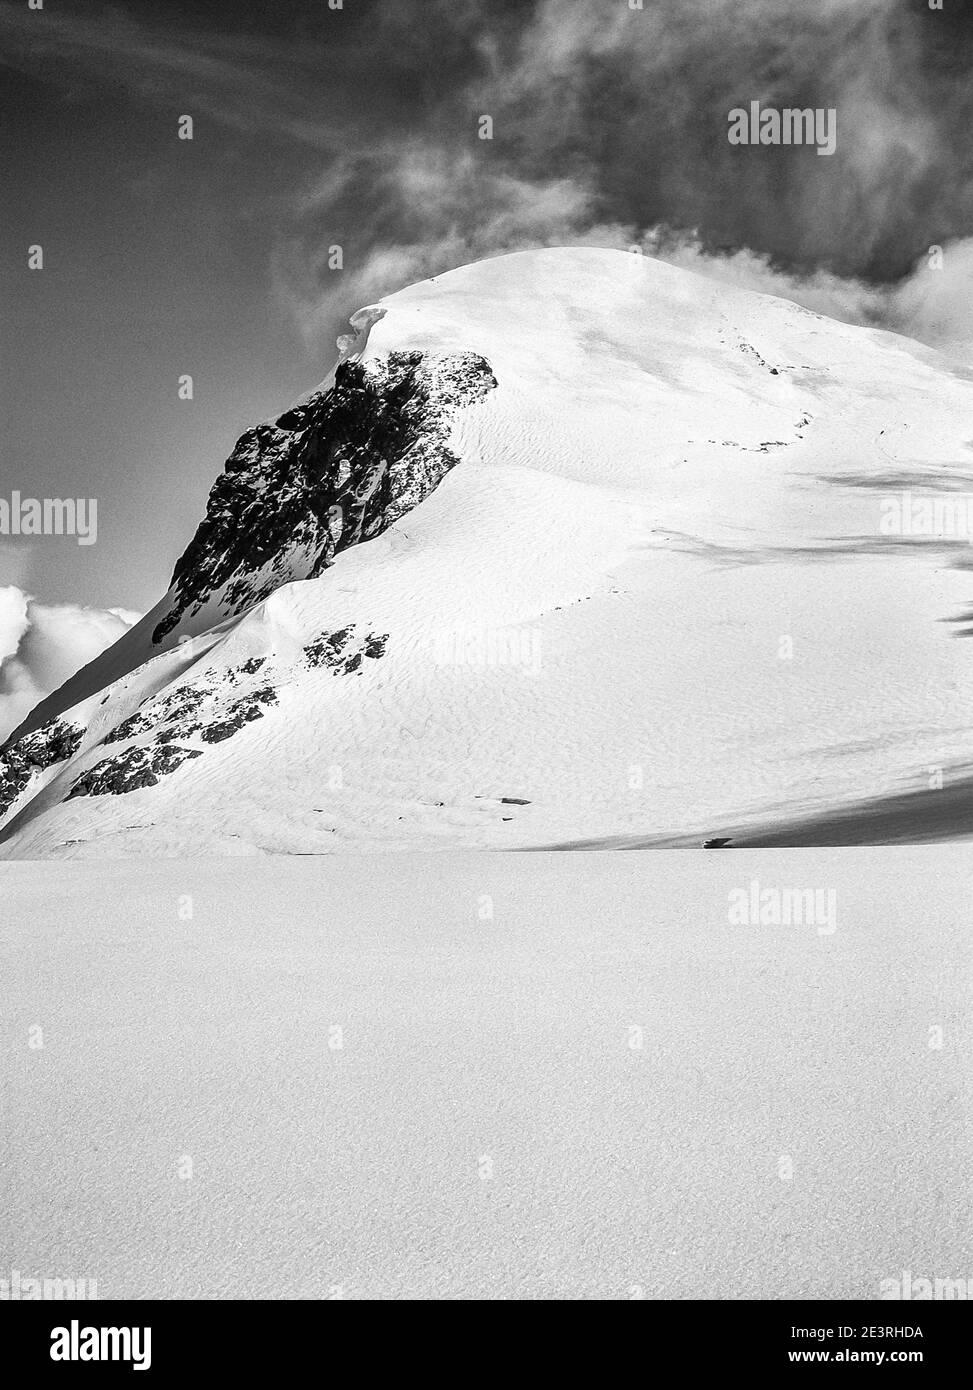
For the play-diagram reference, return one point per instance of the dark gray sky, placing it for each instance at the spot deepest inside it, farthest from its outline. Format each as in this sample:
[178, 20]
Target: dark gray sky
[358, 126]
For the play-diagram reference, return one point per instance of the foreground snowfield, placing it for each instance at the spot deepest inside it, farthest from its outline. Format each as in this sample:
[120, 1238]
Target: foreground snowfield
[653, 601]
[788, 1127]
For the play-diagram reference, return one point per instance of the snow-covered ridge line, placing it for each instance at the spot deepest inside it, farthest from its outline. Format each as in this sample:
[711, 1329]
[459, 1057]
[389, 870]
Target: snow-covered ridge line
[339, 467]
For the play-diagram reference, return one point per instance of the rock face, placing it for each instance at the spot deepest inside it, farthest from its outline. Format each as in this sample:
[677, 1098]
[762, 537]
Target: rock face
[207, 710]
[337, 650]
[128, 771]
[244, 711]
[336, 469]
[194, 706]
[55, 743]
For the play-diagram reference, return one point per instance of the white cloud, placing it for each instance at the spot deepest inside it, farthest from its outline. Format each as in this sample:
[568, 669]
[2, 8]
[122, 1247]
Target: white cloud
[42, 645]
[459, 213]
[607, 117]
[932, 305]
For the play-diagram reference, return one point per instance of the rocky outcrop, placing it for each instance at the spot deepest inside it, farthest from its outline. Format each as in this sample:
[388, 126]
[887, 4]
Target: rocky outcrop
[211, 708]
[334, 470]
[337, 650]
[240, 713]
[173, 714]
[55, 743]
[131, 770]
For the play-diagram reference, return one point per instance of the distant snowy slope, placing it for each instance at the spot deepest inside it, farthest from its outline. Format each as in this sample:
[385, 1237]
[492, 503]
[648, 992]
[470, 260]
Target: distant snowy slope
[573, 545]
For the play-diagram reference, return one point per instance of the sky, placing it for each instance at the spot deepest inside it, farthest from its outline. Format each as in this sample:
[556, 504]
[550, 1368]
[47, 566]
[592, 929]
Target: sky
[317, 124]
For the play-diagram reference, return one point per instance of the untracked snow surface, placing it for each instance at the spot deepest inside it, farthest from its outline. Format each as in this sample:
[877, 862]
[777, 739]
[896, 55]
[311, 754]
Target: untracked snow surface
[518, 1076]
[629, 583]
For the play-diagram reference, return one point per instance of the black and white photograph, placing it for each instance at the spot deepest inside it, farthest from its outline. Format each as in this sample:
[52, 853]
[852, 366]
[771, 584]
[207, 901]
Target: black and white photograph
[486, 719]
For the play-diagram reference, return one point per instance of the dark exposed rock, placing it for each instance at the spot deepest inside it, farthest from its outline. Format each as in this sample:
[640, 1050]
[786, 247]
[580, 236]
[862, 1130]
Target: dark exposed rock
[131, 770]
[128, 728]
[333, 650]
[241, 712]
[177, 714]
[326, 650]
[175, 708]
[173, 719]
[336, 469]
[54, 743]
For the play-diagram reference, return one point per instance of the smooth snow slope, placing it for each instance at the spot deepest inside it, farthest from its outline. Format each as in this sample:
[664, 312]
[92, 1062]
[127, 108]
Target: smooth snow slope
[515, 1076]
[670, 508]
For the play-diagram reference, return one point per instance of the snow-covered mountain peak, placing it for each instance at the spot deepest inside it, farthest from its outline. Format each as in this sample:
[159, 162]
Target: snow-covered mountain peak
[571, 544]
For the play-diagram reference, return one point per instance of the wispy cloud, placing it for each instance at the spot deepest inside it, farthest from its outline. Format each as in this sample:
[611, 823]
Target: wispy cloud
[609, 124]
[43, 645]
[249, 85]
[610, 127]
